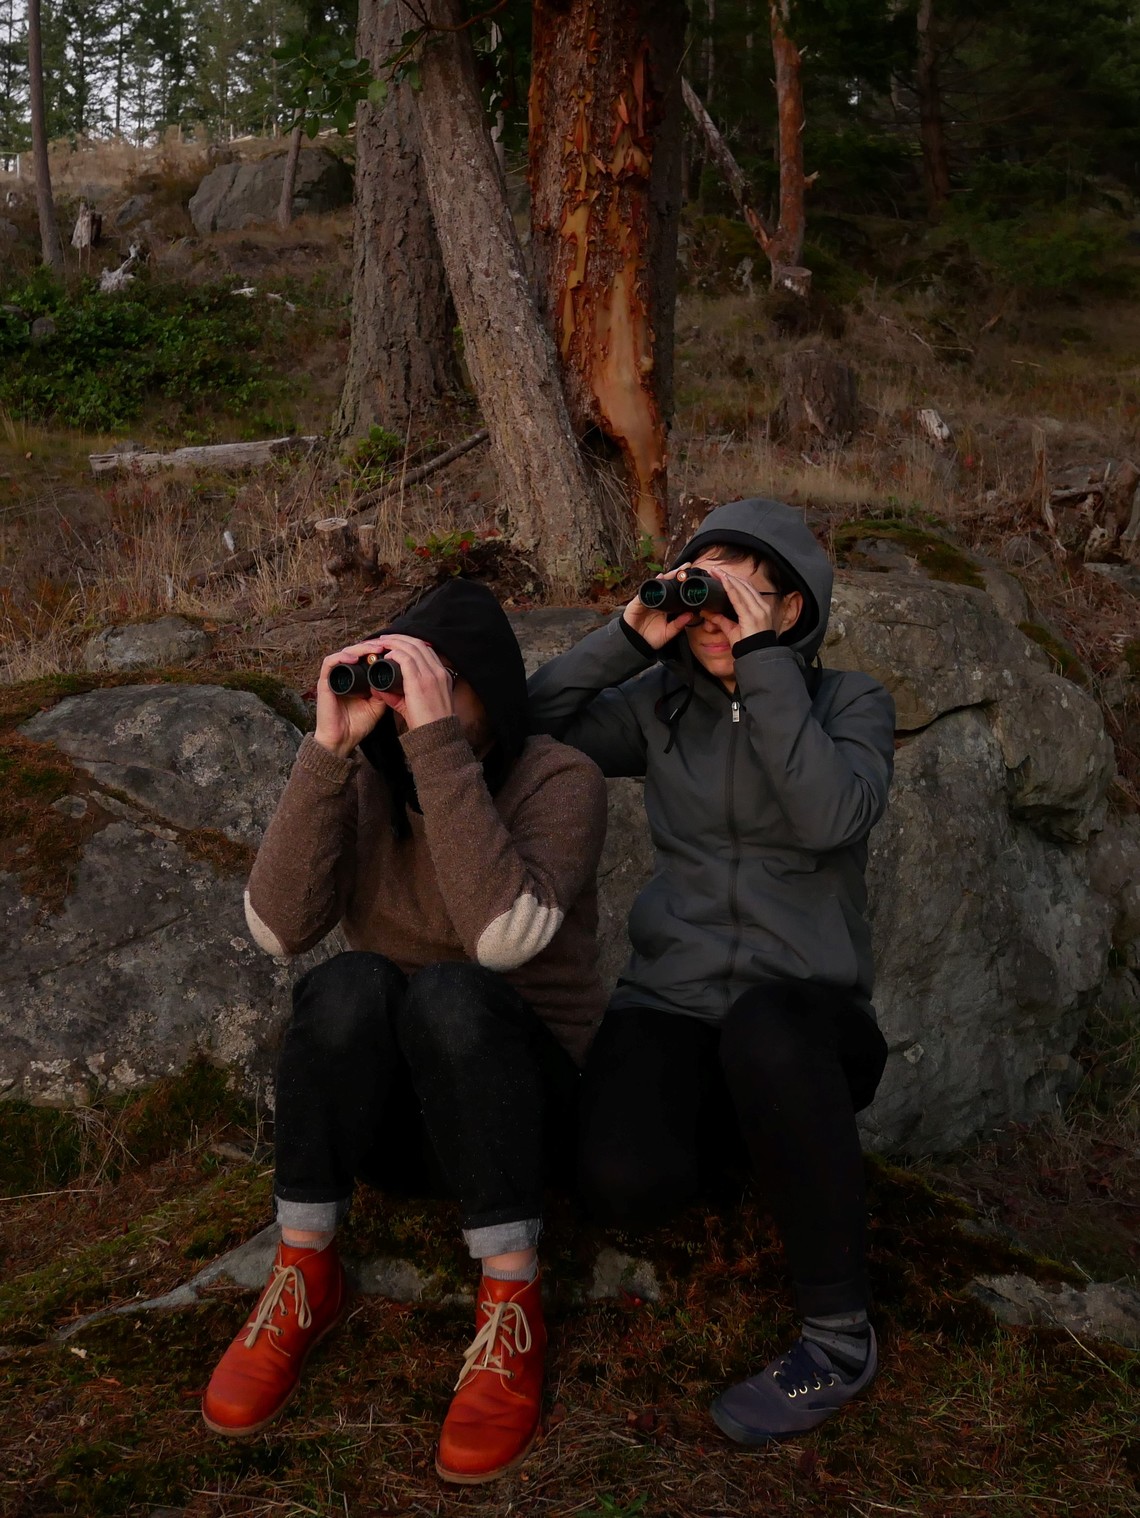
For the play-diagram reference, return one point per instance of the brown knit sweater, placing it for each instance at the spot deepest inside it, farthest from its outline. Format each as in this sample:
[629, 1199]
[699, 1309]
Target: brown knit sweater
[508, 882]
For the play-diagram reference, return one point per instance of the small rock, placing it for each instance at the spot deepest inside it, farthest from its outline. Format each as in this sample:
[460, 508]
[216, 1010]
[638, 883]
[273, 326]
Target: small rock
[165, 644]
[881, 555]
[1127, 576]
[1023, 552]
[42, 328]
[1005, 592]
[130, 210]
[617, 1274]
[1100, 1310]
[9, 231]
[70, 806]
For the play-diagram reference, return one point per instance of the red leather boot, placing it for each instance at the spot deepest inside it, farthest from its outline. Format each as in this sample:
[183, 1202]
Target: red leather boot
[302, 1302]
[493, 1418]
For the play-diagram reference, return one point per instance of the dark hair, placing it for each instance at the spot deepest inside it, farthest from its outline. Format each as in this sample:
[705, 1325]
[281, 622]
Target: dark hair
[734, 553]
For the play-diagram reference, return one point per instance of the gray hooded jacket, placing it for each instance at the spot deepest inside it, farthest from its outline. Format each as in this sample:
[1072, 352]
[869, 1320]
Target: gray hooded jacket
[759, 803]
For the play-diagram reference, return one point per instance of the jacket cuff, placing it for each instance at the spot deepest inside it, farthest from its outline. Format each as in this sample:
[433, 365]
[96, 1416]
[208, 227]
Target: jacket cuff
[769, 638]
[323, 765]
[643, 648]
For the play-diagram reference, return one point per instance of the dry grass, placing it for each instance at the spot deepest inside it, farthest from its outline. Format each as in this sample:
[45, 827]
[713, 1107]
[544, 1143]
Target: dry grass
[1012, 1424]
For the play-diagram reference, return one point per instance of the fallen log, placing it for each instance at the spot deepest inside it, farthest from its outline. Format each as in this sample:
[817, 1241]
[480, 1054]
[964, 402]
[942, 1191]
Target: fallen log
[225, 456]
[299, 532]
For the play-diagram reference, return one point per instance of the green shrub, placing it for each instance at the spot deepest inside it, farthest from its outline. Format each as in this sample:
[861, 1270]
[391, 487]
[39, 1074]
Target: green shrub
[111, 355]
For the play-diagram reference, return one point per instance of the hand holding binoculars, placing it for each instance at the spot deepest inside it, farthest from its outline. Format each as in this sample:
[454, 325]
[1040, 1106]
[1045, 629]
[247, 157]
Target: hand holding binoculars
[369, 673]
[692, 590]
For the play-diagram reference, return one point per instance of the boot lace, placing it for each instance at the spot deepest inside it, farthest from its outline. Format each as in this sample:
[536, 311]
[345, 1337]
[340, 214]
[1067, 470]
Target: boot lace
[485, 1352]
[285, 1278]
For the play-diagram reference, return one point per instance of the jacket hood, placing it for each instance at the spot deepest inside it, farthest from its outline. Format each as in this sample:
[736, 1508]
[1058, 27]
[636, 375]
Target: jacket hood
[465, 624]
[780, 532]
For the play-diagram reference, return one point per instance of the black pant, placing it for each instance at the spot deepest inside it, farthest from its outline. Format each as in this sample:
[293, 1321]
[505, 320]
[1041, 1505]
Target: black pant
[787, 1070]
[402, 1081]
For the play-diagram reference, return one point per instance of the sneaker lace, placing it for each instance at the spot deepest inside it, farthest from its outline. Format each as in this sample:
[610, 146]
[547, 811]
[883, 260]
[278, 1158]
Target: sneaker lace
[485, 1352]
[285, 1278]
[796, 1373]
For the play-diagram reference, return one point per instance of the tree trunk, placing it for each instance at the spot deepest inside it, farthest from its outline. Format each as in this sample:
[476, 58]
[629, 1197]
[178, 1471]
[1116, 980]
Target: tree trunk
[401, 359]
[935, 165]
[50, 245]
[509, 354]
[787, 247]
[289, 182]
[605, 162]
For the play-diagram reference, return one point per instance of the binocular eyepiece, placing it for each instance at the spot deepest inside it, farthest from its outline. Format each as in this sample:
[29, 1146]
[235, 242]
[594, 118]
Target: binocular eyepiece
[368, 674]
[692, 590]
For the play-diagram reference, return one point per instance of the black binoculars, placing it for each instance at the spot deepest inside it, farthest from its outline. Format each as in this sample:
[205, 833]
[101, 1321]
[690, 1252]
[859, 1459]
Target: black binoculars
[368, 674]
[692, 590]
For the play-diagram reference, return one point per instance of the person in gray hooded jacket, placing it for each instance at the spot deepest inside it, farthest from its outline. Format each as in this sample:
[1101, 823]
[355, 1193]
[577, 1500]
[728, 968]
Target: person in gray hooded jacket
[748, 991]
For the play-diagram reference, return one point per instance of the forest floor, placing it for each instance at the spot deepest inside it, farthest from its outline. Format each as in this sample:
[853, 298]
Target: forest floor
[967, 1418]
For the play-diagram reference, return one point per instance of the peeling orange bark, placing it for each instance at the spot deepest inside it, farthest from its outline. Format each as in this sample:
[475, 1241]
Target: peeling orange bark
[603, 78]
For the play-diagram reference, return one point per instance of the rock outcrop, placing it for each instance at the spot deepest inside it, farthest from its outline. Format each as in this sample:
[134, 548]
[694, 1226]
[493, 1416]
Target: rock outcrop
[238, 195]
[147, 965]
[999, 879]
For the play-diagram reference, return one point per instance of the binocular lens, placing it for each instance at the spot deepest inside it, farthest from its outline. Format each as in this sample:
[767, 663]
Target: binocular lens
[695, 592]
[384, 675]
[653, 593]
[342, 678]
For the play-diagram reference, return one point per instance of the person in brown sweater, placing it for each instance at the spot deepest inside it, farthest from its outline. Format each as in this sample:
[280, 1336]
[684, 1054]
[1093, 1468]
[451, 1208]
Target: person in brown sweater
[459, 858]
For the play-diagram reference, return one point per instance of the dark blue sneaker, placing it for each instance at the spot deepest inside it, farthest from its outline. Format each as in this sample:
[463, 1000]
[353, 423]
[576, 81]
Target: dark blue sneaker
[794, 1394]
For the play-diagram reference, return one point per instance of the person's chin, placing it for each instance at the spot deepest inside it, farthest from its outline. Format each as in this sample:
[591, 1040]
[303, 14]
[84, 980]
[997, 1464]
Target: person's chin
[719, 663]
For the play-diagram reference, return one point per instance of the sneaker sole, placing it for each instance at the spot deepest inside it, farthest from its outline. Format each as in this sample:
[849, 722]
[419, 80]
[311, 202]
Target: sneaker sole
[461, 1478]
[251, 1430]
[739, 1433]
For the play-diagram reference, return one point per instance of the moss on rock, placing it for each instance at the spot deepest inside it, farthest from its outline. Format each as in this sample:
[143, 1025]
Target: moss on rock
[1065, 661]
[936, 556]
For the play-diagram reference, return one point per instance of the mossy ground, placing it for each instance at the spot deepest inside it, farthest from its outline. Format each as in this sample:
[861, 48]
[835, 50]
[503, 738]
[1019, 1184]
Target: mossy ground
[965, 1416]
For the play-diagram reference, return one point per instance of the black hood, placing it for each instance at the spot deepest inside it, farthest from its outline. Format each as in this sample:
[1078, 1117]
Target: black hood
[465, 624]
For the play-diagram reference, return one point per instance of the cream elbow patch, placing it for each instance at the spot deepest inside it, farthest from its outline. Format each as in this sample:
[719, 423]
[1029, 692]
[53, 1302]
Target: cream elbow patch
[517, 934]
[262, 934]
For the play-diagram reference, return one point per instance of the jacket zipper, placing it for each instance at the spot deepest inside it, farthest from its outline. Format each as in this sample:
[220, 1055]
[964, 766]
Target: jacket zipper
[734, 837]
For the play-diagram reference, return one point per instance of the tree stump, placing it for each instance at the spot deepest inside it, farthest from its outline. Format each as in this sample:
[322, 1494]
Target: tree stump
[350, 553]
[819, 399]
[793, 278]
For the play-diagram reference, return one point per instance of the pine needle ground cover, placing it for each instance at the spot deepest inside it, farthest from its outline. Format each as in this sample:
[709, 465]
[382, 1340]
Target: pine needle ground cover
[125, 1202]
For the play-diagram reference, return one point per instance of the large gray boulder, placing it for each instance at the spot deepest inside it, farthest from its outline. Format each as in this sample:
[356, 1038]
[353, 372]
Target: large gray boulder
[998, 880]
[1003, 892]
[238, 195]
[147, 964]
[196, 756]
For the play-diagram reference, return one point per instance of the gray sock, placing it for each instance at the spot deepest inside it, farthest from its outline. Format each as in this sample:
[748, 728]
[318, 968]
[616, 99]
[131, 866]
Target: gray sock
[316, 1244]
[526, 1273]
[844, 1337]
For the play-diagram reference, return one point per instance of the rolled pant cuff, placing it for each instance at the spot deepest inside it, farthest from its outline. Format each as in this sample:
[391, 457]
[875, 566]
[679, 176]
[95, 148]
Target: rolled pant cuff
[311, 1217]
[814, 1300]
[502, 1238]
